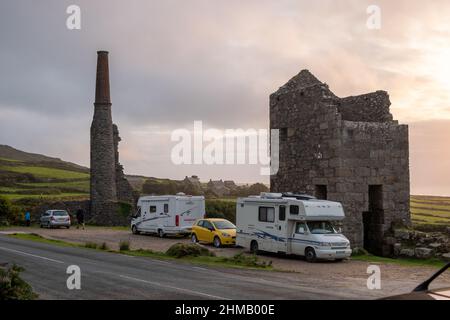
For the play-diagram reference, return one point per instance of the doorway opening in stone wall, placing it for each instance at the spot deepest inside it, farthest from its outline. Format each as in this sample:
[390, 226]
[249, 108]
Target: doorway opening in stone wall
[373, 221]
[321, 191]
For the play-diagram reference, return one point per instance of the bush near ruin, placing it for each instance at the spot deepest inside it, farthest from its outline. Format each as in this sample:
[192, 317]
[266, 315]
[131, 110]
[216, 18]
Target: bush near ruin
[9, 214]
[180, 250]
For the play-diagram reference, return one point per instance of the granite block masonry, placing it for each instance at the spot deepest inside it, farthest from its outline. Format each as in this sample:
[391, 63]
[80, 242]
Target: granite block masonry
[344, 149]
[108, 183]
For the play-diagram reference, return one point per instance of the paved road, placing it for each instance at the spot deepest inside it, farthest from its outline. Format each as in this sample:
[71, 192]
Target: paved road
[115, 276]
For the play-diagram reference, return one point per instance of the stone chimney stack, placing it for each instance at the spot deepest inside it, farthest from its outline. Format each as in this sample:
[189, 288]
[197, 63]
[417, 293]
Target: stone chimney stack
[103, 162]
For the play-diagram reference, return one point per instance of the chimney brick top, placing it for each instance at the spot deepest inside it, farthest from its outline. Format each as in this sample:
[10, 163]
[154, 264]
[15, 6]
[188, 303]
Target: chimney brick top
[102, 94]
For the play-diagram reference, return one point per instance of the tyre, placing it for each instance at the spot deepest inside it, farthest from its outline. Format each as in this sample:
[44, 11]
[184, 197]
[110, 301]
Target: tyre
[49, 225]
[216, 242]
[68, 227]
[310, 255]
[339, 260]
[194, 238]
[41, 225]
[161, 233]
[134, 229]
[254, 247]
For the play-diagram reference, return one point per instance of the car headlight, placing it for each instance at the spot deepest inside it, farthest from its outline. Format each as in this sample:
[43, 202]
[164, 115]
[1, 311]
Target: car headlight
[226, 234]
[325, 244]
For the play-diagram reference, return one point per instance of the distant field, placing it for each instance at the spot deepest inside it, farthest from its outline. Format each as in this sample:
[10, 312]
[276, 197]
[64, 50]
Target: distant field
[46, 196]
[81, 185]
[430, 210]
[45, 181]
[44, 172]
[9, 160]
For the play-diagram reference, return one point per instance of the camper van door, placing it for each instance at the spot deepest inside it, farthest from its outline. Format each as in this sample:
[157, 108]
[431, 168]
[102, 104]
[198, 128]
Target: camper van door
[299, 239]
[281, 229]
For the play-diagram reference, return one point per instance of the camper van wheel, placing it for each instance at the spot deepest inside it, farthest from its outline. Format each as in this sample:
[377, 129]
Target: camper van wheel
[310, 255]
[216, 242]
[134, 230]
[160, 233]
[254, 247]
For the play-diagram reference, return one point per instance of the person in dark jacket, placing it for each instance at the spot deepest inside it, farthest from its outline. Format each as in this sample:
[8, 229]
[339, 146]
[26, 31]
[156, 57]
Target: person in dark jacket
[80, 218]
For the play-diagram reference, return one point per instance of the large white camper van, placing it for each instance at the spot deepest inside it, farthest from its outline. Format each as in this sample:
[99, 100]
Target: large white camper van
[292, 224]
[171, 214]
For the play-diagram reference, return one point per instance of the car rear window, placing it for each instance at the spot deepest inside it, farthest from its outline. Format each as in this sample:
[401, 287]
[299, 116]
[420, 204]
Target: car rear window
[60, 213]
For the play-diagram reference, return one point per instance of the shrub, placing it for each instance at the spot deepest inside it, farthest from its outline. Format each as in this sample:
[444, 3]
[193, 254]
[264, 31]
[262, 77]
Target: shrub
[90, 245]
[359, 252]
[124, 245]
[125, 209]
[12, 287]
[179, 250]
[104, 246]
[220, 209]
[9, 214]
[248, 261]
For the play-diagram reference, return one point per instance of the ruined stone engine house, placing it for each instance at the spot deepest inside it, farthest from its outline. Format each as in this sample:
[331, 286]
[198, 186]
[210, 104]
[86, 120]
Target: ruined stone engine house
[109, 187]
[343, 149]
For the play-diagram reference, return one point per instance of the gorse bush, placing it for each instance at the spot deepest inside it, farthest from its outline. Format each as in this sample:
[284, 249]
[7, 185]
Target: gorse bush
[104, 246]
[248, 261]
[12, 287]
[9, 214]
[124, 245]
[179, 250]
[90, 245]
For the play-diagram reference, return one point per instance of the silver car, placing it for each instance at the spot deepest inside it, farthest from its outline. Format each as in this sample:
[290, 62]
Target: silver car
[55, 218]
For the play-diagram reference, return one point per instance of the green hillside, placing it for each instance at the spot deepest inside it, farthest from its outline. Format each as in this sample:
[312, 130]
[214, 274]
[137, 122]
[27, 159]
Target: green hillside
[431, 211]
[26, 175]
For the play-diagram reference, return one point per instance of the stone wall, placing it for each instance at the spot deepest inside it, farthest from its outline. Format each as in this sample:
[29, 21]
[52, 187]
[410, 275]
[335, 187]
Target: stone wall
[370, 107]
[421, 245]
[124, 189]
[321, 150]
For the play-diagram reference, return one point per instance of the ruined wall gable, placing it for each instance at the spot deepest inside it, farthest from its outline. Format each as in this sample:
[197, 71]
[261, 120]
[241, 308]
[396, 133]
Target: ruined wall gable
[370, 107]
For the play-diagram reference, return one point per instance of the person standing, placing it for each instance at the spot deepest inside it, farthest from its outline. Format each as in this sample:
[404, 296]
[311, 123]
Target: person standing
[27, 218]
[80, 218]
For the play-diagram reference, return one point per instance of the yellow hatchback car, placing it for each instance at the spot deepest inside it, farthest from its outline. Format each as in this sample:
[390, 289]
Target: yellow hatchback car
[219, 232]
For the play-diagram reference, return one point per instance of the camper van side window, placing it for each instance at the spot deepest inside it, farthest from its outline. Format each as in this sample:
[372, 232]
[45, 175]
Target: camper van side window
[282, 213]
[293, 209]
[266, 214]
[152, 209]
[166, 207]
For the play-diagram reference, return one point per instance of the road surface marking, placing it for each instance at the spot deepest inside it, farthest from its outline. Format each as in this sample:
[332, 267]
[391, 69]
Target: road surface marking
[160, 261]
[200, 268]
[31, 255]
[175, 288]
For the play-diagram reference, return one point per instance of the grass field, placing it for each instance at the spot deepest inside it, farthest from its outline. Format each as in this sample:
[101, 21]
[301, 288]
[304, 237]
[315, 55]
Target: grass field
[61, 196]
[48, 182]
[81, 185]
[430, 210]
[45, 172]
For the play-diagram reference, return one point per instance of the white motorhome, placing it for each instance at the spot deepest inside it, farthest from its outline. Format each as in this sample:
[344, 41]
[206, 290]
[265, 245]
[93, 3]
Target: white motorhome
[171, 214]
[291, 224]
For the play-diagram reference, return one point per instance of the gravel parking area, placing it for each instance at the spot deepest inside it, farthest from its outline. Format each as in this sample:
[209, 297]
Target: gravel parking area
[348, 274]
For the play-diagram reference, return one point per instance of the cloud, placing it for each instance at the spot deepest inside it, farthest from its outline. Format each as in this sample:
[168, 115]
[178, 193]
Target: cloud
[173, 62]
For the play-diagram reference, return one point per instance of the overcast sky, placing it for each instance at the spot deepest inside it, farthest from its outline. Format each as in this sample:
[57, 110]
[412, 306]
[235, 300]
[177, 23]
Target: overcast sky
[174, 62]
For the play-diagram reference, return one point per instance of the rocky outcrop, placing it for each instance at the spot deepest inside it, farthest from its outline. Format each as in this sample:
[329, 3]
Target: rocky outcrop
[421, 245]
